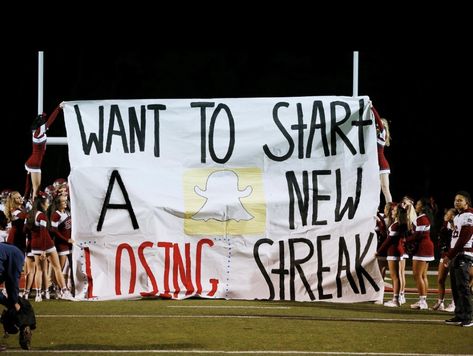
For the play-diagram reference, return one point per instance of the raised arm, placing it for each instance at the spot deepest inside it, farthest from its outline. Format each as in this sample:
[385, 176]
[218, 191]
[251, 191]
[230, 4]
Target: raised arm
[379, 123]
[53, 116]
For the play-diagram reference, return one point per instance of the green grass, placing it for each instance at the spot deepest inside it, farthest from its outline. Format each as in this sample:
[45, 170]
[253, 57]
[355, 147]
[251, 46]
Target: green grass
[198, 324]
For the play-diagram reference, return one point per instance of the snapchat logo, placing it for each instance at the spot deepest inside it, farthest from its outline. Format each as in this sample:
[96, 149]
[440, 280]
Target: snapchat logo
[224, 202]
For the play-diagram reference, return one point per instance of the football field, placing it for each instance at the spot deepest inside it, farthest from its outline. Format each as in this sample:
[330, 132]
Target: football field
[219, 327]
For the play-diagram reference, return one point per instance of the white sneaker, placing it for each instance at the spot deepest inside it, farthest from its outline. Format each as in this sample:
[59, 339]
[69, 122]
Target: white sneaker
[66, 295]
[416, 305]
[440, 306]
[26, 295]
[450, 308]
[392, 304]
[38, 298]
[402, 299]
[423, 305]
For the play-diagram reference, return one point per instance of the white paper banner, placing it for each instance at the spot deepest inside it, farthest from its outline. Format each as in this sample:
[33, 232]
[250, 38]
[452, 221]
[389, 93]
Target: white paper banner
[255, 198]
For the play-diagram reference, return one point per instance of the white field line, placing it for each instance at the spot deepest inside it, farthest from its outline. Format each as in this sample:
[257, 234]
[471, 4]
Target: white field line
[302, 317]
[224, 307]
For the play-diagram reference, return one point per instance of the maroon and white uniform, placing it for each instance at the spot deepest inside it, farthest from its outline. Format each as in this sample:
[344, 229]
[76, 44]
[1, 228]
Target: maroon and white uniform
[381, 234]
[462, 236]
[381, 140]
[40, 239]
[393, 244]
[39, 138]
[61, 230]
[16, 235]
[425, 250]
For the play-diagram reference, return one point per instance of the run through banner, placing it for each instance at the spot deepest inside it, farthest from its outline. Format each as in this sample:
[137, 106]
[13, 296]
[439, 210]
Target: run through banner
[252, 198]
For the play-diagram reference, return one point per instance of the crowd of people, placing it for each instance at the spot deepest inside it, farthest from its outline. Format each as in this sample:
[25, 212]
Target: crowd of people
[35, 238]
[42, 231]
[404, 232]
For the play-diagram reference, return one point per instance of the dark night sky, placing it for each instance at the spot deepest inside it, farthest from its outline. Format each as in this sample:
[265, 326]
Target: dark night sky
[421, 92]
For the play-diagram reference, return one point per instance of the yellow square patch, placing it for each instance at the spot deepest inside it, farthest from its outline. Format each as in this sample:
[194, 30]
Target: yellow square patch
[224, 202]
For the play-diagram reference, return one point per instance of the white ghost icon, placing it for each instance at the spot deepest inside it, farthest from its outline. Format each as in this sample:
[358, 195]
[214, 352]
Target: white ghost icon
[223, 198]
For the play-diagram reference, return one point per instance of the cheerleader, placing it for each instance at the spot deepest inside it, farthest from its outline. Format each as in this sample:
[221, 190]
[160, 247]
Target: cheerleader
[39, 138]
[383, 139]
